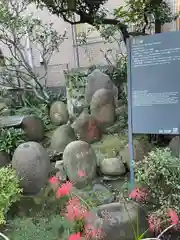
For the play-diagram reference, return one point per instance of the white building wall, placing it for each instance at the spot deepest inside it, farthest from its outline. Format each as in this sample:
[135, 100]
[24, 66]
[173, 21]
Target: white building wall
[87, 54]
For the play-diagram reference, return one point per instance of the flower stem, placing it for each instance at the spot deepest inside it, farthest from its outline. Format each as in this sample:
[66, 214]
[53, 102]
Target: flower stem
[3, 236]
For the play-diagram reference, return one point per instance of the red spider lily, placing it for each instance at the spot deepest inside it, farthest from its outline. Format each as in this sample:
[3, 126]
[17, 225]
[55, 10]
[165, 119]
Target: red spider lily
[81, 173]
[75, 236]
[93, 233]
[138, 194]
[75, 210]
[154, 224]
[53, 180]
[64, 190]
[174, 219]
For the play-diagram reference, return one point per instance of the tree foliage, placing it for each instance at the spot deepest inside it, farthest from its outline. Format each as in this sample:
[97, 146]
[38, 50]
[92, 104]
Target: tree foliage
[142, 13]
[16, 26]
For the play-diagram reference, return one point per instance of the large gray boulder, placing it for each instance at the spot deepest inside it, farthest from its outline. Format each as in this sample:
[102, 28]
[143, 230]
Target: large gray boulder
[58, 113]
[79, 162]
[87, 128]
[112, 167]
[62, 136]
[33, 127]
[103, 107]
[97, 80]
[117, 220]
[32, 164]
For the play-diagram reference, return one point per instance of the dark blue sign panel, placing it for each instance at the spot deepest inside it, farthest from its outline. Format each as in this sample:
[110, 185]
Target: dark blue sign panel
[155, 83]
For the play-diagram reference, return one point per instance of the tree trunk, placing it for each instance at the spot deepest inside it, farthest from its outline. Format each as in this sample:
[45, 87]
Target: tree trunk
[157, 26]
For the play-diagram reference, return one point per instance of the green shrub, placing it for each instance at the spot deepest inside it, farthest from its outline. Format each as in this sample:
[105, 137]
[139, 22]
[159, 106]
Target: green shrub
[50, 228]
[9, 190]
[10, 139]
[40, 111]
[160, 173]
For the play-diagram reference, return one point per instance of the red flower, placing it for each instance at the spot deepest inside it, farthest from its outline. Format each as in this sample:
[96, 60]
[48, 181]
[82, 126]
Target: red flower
[75, 210]
[53, 180]
[81, 173]
[93, 233]
[154, 224]
[138, 194]
[173, 217]
[64, 190]
[75, 236]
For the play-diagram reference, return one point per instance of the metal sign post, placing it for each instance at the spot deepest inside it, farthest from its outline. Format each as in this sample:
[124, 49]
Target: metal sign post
[130, 130]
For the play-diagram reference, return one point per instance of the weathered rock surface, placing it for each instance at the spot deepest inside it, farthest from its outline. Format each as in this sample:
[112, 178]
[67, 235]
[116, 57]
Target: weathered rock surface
[174, 145]
[59, 164]
[97, 80]
[32, 165]
[116, 222]
[33, 128]
[79, 162]
[58, 113]
[87, 128]
[62, 136]
[103, 107]
[141, 149]
[4, 159]
[61, 175]
[112, 166]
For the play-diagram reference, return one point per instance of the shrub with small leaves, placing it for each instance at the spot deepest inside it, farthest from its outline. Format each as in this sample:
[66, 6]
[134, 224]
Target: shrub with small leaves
[10, 139]
[10, 191]
[159, 173]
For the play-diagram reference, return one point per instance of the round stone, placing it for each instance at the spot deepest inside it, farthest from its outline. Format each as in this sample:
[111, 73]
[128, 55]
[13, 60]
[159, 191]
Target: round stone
[33, 128]
[32, 164]
[79, 162]
[103, 107]
[58, 113]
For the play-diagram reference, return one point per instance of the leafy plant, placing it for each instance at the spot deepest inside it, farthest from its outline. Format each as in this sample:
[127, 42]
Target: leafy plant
[9, 189]
[16, 26]
[41, 111]
[10, 139]
[159, 173]
[54, 227]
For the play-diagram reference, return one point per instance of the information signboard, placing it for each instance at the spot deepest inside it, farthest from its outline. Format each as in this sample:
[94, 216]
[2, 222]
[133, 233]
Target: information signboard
[153, 87]
[154, 63]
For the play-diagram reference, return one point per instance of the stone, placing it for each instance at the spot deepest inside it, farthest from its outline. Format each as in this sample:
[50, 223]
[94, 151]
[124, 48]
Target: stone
[34, 128]
[58, 113]
[141, 149]
[118, 184]
[62, 136]
[116, 220]
[59, 164]
[32, 164]
[103, 107]
[79, 162]
[104, 195]
[87, 128]
[98, 80]
[96, 194]
[174, 145]
[4, 159]
[112, 166]
[61, 174]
